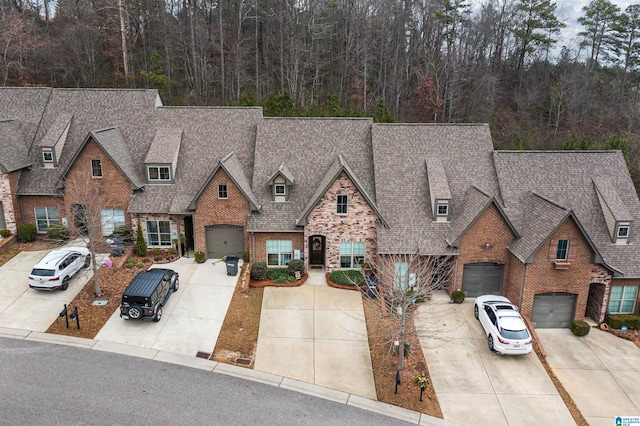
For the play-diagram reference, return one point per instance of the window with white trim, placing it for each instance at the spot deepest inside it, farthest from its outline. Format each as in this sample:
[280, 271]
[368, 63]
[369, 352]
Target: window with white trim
[47, 156]
[623, 232]
[45, 217]
[279, 252]
[623, 299]
[443, 210]
[158, 233]
[222, 191]
[279, 189]
[351, 254]
[401, 272]
[96, 168]
[158, 173]
[562, 252]
[111, 219]
[341, 204]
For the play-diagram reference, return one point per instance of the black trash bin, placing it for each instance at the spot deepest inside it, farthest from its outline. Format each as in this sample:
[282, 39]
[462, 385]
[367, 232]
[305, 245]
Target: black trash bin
[232, 265]
[372, 287]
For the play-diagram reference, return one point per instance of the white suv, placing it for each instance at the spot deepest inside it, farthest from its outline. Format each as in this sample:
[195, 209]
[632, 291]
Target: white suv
[57, 267]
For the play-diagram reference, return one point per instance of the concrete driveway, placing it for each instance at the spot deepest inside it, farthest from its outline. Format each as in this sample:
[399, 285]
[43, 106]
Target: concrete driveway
[24, 308]
[476, 386]
[316, 334]
[600, 371]
[192, 318]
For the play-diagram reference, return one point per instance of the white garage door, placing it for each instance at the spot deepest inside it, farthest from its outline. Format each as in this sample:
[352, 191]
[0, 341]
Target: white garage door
[482, 278]
[224, 240]
[553, 310]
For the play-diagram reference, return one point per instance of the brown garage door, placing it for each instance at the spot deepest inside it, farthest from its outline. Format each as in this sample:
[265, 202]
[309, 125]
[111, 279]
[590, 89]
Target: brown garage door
[224, 240]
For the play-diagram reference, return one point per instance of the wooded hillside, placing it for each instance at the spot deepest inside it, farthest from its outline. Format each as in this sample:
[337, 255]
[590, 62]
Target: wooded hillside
[404, 60]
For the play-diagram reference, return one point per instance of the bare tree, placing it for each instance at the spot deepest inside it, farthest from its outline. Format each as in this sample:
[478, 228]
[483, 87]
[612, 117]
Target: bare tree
[86, 203]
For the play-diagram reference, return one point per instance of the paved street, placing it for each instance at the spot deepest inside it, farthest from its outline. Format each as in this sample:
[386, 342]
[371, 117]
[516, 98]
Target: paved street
[49, 384]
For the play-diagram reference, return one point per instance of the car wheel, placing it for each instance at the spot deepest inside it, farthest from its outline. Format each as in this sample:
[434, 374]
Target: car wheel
[158, 314]
[135, 312]
[475, 311]
[490, 343]
[176, 285]
[65, 284]
[87, 261]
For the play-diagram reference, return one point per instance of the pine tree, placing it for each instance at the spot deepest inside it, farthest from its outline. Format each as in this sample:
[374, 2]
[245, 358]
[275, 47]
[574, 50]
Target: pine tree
[141, 245]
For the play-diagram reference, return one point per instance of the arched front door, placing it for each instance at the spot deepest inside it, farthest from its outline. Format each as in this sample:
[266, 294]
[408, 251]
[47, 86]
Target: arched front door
[316, 251]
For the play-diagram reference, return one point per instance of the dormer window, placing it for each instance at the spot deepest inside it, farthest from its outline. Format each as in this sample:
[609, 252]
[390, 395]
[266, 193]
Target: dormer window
[159, 173]
[47, 156]
[280, 183]
[443, 210]
[622, 233]
[279, 192]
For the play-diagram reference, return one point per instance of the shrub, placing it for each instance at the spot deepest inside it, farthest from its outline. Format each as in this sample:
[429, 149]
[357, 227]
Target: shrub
[58, 233]
[632, 321]
[140, 265]
[156, 251]
[347, 277]
[296, 265]
[27, 232]
[457, 296]
[124, 232]
[4, 233]
[199, 256]
[280, 276]
[141, 244]
[259, 271]
[130, 263]
[580, 328]
[171, 252]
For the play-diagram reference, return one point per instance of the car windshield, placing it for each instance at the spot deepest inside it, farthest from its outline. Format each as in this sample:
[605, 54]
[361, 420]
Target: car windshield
[513, 328]
[43, 272]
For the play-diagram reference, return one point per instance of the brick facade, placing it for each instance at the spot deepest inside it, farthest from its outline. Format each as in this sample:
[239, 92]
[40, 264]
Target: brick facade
[211, 210]
[485, 241]
[30, 202]
[113, 187]
[260, 243]
[543, 277]
[624, 282]
[358, 225]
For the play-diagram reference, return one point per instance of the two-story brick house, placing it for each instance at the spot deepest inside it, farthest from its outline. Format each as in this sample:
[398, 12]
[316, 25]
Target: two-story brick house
[553, 231]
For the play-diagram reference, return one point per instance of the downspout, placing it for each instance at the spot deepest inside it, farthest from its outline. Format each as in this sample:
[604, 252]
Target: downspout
[253, 246]
[524, 271]
[21, 210]
[455, 275]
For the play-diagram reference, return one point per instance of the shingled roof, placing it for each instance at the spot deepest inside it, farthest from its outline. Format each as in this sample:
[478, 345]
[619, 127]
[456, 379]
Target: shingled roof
[307, 147]
[402, 184]
[13, 148]
[565, 180]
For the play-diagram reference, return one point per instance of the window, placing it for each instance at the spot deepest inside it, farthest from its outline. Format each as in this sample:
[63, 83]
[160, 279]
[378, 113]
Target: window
[351, 254]
[96, 168]
[443, 209]
[279, 189]
[563, 250]
[400, 277]
[111, 219]
[158, 233]
[342, 204]
[222, 191]
[158, 173]
[279, 252]
[623, 299]
[623, 231]
[47, 156]
[45, 217]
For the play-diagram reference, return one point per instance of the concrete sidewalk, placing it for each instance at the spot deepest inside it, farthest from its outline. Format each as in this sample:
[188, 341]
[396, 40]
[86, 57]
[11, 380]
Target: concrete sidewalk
[476, 386]
[316, 334]
[600, 371]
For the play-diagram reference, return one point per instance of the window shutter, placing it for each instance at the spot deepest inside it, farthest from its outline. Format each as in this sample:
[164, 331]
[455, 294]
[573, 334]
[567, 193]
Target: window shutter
[572, 250]
[553, 249]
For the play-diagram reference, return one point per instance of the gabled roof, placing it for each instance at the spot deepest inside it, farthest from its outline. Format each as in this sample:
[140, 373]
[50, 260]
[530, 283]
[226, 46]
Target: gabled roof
[476, 202]
[307, 147]
[13, 149]
[165, 146]
[55, 131]
[438, 182]
[115, 147]
[233, 168]
[284, 172]
[612, 200]
[565, 179]
[338, 167]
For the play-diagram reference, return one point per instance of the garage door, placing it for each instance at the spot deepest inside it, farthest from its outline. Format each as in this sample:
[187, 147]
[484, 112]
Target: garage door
[224, 240]
[482, 278]
[553, 310]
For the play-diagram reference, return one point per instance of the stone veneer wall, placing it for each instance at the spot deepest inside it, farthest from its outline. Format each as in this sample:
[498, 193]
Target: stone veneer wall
[6, 199]
[359, 224]
[142, 219]
[599, 291]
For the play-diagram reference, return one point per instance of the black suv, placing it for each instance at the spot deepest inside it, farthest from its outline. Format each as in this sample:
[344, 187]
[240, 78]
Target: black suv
[147, 293]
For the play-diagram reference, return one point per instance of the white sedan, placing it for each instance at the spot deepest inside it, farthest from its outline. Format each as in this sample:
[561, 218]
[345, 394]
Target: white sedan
[57, 267]
[506, 331]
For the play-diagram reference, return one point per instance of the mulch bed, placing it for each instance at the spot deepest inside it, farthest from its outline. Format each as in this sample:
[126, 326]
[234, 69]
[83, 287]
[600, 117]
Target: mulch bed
[268, 283]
